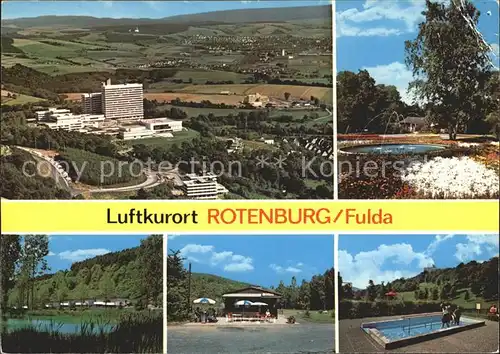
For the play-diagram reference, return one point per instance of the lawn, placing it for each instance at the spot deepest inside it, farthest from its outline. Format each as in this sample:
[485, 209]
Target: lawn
[201, 77]
[20, 99]
[314, 316]
[195, 112]
[178, 139]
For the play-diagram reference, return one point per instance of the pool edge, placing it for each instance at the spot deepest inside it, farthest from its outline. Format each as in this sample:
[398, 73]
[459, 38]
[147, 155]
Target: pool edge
[429, 336]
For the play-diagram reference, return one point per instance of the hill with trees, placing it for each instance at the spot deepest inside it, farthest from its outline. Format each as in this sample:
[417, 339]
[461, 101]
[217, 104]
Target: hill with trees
[226, 17]
[464, 285]
[128, 274]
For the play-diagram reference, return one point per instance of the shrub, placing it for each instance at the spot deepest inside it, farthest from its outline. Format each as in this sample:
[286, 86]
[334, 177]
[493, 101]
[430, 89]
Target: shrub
[360, 309]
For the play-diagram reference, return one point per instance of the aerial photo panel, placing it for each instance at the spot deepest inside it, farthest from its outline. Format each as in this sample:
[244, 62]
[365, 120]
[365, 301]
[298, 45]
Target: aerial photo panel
[250, 294]
[167, 100]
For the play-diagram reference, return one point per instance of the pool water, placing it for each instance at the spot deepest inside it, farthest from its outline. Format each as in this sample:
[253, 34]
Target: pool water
[411, 327]
[394, 149]
[44, 325]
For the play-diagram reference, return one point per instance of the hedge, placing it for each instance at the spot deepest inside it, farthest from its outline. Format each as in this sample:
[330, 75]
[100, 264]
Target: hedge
[360, 309]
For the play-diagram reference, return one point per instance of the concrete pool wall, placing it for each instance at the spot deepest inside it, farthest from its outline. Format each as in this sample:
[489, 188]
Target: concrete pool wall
[371, 329]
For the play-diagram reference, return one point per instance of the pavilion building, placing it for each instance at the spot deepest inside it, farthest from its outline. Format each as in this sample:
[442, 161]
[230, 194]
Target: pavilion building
[252, 294]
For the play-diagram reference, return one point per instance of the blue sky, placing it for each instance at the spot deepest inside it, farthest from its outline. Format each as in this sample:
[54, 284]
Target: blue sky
[67, 249]
[259, 259]
[135, 9]
[388, 257]
[371, 35]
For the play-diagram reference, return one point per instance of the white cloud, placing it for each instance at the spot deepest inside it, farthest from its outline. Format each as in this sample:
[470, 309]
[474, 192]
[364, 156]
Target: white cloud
[395, 74]
[239, 267]
[403, 19]
[108, 4]
[286, 269]
[193, 248]
[477, 245]
[365, 266]
[206, 254]
[51, 254]
[80, 255]
[437, 241]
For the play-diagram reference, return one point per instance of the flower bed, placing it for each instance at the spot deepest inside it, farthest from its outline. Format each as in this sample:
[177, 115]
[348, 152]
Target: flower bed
[452, 178]
[371, 176]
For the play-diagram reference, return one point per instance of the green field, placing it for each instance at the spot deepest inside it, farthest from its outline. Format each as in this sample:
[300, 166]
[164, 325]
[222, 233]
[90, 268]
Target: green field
[200, 76]
[178, 139]
[20, 99]
[195, 112]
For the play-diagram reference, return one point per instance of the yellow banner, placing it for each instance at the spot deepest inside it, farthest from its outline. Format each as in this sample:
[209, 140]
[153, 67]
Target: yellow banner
[247, 216]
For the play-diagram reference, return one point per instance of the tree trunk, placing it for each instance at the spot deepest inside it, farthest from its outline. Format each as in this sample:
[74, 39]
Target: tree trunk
[452, 131]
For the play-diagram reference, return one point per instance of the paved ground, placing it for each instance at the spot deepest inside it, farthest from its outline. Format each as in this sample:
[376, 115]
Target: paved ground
[300, 338]
[478, 340]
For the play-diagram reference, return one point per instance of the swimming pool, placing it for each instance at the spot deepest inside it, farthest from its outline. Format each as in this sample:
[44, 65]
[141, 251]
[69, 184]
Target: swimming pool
[393, 149]
[413, 329]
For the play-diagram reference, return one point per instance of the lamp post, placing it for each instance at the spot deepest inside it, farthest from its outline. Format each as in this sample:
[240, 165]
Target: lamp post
[189, 288]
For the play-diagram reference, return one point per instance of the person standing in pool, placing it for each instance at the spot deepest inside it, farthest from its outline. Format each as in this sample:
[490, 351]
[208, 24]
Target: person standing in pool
[446, 319]
[456, 315]
[443, 308]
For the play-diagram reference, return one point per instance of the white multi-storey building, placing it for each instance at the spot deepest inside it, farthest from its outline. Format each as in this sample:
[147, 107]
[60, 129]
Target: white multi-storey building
[135, 131]
[149, 128]
[69, 121]
[124, 101]
[92, 103]
[203, 186]
[163, 125]
[43, 115]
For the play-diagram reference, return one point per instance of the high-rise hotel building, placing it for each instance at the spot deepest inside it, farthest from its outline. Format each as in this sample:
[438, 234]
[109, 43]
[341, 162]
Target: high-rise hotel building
[92, 103]
[123, 101]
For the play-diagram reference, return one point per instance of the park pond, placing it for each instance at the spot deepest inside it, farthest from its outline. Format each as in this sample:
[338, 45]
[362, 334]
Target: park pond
[63, 325]
[299, 338]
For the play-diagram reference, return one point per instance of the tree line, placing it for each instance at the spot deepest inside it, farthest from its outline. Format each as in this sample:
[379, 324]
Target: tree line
[478, 279]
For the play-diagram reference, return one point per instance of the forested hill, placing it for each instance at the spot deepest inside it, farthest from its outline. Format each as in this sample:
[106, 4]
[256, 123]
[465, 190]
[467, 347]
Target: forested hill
[133, 274]
[121, 257]
[213, 286]
[227, 16]
[481, 279]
